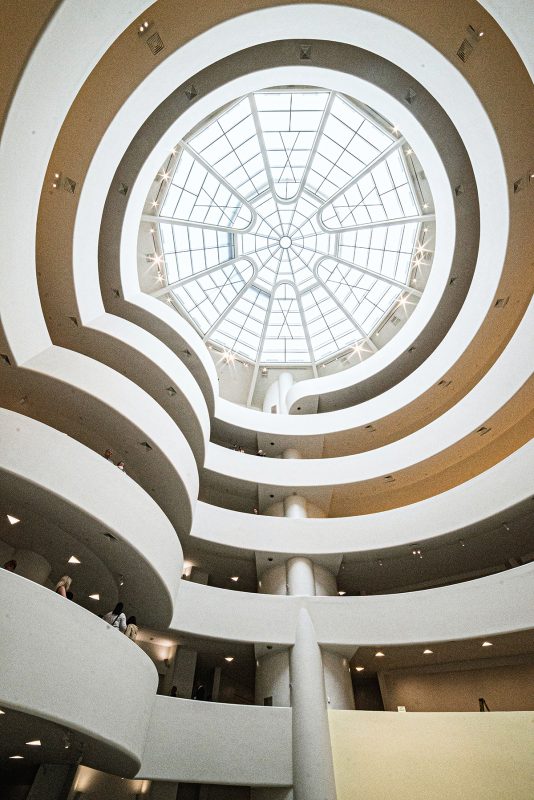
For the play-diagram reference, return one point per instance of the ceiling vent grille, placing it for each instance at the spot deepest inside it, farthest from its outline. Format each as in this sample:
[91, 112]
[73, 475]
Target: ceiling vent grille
[395, 320]
[465, 50]
[469, 43]
[155, 43]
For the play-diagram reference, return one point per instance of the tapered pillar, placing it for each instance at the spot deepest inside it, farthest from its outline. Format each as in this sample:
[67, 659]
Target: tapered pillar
[300, 577]
[313, 768]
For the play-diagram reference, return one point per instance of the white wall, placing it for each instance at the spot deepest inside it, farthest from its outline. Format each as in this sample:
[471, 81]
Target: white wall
[201, 742]
[91, 673]
[488, 494]
[495, 604]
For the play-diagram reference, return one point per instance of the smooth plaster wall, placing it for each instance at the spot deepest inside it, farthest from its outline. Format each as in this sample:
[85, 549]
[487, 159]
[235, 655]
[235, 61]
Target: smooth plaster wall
[506, 688]
[381, 755]
[500, 603]
[196, 742]
[89, 674]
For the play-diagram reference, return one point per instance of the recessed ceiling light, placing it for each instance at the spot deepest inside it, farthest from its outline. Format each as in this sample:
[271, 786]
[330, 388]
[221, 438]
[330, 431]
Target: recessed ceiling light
[74, 560]
[487, 644]
[34, 743]
[234, 578]
[16, 756]
[95, 596]
[342, 593]
[228, 658]
[380, 654]
[360, 669]
[12, 521]
[427, 652]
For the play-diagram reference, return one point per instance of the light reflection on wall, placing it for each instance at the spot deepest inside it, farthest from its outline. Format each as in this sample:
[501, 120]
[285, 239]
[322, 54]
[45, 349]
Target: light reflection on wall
[90, 784]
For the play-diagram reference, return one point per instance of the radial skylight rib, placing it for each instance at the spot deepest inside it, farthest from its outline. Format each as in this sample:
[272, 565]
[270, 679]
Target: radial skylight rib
[197, 195]
[207, 299]
[383, 193]
[285, 340]
[290, 228]
[369, 272]
[230, 146]
[289, 122]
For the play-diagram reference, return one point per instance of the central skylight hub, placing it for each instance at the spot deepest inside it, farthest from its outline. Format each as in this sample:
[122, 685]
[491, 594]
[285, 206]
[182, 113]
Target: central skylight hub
[291, 228]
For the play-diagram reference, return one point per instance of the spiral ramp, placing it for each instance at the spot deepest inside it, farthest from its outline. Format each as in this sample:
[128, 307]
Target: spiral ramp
[406, 522]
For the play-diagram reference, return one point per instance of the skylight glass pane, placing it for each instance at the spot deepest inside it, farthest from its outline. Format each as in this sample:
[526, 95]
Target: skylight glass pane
[382, 194]
[247, 256]
[285, 341]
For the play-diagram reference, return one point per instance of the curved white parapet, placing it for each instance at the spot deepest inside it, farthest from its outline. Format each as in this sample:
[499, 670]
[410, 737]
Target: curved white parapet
[197, 742]
[506, 378]
[438, 79]
[490, 493]
[152, 366]
[61, 663]
[44, 92]
[118, 414]
[498, 604]
[60, 478]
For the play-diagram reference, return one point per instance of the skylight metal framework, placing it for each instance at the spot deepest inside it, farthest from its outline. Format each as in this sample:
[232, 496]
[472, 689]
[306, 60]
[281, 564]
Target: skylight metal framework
[289, 227]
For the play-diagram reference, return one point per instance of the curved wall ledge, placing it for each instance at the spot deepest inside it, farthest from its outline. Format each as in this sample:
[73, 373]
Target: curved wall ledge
[102, 408]
[472, 77]
[504, 380]
[465, 506]
[42, 90]
[197, 742]
[153, 367]
[54, 474]
[493, 605]
[98, 665]
[375, 76]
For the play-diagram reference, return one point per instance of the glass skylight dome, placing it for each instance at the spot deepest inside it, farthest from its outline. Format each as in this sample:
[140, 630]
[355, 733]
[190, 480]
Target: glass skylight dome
[289, 226]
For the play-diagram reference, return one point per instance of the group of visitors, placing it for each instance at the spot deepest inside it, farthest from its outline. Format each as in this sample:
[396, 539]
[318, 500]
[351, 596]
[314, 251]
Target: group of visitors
[116, 618]
[108, 455]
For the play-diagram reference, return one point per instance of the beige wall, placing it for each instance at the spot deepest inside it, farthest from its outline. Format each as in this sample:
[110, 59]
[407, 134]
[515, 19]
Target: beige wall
[504, 688]
[379, 755]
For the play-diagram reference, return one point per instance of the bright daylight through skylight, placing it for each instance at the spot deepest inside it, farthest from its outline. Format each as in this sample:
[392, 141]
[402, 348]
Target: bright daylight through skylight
[290, 226]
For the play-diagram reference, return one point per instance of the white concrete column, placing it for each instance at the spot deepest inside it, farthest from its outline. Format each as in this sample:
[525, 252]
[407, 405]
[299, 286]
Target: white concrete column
[313, 768]
[276, 394]
[295, 507]
[337, 681]
[300, 577]
[183, 677]
[291, 452]
[216, 685]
